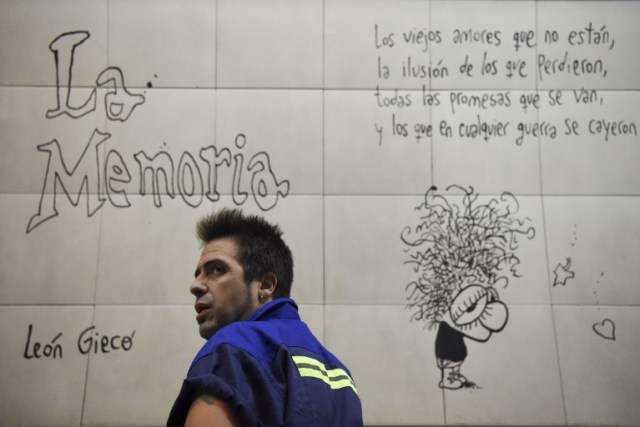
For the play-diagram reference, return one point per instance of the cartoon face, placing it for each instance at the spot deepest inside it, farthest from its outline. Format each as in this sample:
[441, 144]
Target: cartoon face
[476, 312]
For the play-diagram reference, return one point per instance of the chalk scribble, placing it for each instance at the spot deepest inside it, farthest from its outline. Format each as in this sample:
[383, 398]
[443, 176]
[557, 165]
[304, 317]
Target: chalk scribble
[462, 249]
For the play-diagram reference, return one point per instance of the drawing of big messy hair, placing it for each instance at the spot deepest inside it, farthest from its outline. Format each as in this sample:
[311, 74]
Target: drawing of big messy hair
[452, 244]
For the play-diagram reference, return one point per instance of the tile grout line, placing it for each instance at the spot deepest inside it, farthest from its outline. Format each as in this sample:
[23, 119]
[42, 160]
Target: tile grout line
[353, 195]
[93, 318]
[544, 230]
[215, 76]
[314, 304]
[95, 282]
[217, 68]
[433, 183]
[324, 210]
[331, 89]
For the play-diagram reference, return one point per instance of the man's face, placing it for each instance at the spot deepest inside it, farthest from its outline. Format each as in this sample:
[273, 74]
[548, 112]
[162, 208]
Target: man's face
[222, 296]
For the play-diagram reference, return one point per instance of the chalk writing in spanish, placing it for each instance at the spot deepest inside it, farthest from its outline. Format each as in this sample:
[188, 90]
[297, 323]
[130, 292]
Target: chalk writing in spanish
[513, 116]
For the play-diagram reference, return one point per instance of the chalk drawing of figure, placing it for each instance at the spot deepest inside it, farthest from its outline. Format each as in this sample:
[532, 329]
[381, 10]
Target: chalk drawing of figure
[475, 313]
[460, 253]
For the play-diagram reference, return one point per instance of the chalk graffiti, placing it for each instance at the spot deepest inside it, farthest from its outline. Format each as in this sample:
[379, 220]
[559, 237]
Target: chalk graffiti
[89, 341]
[119, 102]
[461, 252]
[562, 273]
[606, 329]
[100, 175]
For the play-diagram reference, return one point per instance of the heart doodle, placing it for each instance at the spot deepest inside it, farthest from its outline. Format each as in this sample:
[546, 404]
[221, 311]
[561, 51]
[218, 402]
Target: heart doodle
[606, 329]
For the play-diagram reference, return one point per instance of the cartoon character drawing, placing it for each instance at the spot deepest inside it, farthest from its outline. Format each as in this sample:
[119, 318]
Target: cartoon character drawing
[475, 313]
[461, 253]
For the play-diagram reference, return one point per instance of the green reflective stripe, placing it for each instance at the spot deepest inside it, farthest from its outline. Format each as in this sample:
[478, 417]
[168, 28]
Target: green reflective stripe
[335, 378]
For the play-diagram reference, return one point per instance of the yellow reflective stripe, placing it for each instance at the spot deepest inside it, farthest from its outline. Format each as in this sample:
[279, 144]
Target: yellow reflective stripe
[334, 378]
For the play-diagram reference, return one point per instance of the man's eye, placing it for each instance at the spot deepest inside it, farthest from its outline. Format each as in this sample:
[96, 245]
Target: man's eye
[215, 269]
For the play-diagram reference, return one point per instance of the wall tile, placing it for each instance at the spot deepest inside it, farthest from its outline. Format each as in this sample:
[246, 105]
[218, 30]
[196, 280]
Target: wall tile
[369, 35]
[517, 373]
[596, 149]
[365, 261]
[313, 316]
[482, 143]
[615, 28]
[55, 383]
[362, 156]
[492, 48]
[164, 340]
[183, 124]
[53, 264]
[286, 125]
[600, 374]
[179, 48]
[251, 35]
[28, 29]
[392, 363]
[136, 264]
[63, 141]
[592, 242]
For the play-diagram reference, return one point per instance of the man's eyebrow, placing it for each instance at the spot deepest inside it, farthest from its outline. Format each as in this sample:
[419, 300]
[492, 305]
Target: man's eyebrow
[209, 263]
[199, 269]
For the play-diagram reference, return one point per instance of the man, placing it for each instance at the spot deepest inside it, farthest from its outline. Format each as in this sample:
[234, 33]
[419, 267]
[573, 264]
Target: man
[261, 365]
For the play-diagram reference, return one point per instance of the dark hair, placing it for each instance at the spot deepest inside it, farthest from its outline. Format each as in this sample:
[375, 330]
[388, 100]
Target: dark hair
[260, 246]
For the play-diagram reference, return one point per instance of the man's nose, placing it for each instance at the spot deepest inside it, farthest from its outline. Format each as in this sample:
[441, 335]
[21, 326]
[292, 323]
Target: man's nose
[198, 287]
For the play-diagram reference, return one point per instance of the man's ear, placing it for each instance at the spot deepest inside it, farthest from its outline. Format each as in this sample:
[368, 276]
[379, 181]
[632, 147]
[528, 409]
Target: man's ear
[268, 284]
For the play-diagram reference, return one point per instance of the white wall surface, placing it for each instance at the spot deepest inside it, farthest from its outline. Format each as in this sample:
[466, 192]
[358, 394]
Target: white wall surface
[287, 90]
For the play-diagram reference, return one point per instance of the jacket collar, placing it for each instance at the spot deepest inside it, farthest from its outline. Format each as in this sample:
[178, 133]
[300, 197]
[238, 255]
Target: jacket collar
[279, 308]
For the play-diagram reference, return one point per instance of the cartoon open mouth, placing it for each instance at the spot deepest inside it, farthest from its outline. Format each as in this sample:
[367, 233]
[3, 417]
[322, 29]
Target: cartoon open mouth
[477, 313]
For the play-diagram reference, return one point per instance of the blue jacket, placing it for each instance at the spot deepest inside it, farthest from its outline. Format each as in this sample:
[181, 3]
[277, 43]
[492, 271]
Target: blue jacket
[273, 372]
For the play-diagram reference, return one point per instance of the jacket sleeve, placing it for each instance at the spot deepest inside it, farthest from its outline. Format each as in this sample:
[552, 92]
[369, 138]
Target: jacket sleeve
[233, 375]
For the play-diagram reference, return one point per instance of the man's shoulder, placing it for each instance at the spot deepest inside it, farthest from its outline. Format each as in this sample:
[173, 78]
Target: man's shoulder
[243, 335]
[255, 339]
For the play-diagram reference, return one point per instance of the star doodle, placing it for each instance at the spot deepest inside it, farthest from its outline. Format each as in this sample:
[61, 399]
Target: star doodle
[563, 273]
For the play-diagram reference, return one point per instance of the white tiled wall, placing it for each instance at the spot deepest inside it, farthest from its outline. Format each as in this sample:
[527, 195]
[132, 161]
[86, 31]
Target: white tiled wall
[293, 83]
[179, 42]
